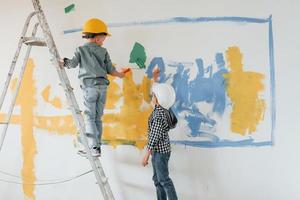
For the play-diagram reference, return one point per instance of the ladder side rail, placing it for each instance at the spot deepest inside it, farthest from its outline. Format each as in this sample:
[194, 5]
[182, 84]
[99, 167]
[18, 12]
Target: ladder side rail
[70, 96]
[16, 56]
[104, 180]
[15, 95]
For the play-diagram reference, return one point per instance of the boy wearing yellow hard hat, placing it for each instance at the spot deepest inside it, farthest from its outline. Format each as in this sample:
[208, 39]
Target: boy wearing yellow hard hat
[94, 66]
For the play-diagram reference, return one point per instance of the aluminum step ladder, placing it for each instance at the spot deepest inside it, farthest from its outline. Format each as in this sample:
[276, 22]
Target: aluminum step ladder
[48, 41]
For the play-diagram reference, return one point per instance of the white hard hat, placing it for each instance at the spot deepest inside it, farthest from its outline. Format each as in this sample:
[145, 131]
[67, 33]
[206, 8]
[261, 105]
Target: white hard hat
[165, 94]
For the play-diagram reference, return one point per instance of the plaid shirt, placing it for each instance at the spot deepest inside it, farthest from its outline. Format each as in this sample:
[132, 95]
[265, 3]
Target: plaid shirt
[158, 128]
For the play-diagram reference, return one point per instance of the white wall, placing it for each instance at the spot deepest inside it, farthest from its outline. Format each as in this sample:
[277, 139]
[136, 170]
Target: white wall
[198, 173]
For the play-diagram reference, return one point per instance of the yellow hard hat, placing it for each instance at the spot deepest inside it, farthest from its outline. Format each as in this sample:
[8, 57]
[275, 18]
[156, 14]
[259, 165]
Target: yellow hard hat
[95, 26]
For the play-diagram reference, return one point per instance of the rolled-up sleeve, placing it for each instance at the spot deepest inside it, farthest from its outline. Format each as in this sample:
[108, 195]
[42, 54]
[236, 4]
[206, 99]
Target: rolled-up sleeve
[74, 61]
[108, 64]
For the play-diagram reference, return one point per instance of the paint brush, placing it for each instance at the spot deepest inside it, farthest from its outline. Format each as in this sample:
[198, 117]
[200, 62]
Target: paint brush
[126, 70]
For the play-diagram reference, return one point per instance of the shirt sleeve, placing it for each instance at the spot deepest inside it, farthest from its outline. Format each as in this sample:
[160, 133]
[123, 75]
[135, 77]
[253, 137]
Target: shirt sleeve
[108, 64]
[74, 61]
[155, 133]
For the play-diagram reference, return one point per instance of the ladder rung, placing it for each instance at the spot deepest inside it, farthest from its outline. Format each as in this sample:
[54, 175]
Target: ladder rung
[67, 88]
[4, 123]
[104, 180]
[34, 41]
[76, 110]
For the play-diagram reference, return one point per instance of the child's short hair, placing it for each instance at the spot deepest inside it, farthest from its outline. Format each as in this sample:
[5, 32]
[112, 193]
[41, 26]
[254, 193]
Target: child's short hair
[92, 35]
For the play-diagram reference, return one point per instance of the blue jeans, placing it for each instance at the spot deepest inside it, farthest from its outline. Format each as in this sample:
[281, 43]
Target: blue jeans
[163, 183]
[94, 102]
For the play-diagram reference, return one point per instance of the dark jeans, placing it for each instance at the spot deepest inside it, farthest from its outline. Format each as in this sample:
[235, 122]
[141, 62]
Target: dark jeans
[163, 183]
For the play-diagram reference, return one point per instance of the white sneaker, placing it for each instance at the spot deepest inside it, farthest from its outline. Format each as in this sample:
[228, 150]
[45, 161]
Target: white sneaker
[82, 153]
[80, 149]
[96, 151]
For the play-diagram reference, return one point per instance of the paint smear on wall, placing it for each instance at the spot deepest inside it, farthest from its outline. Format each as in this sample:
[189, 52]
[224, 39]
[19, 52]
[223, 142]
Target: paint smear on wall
[127, 127]
[138, 55]
[243, 89]
[55, 124]
[113, 94]
[145, 89]
[70, 8]
[60, 125]
[26, 100]
[130, 125]
[54, 102]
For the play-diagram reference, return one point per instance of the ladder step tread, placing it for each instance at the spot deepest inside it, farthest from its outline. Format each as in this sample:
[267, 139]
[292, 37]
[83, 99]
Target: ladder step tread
[34, 41]
[67, 87]
[76, 110]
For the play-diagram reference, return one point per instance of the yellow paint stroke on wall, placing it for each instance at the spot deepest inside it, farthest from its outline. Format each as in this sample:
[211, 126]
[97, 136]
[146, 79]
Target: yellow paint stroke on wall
[26, 99]
[13, 120]
[54, 102]
[61, 125]
[243, 89]
[113, 94]
[127, 127]
[64, 125]
[145, 89]
[130, 125]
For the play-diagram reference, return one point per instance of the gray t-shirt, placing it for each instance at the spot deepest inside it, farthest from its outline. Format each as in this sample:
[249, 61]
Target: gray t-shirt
[94, 64]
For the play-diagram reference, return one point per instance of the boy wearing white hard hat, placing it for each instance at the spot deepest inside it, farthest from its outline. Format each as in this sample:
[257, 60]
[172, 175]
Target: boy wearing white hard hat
[163, 97]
